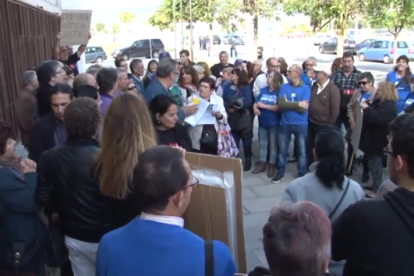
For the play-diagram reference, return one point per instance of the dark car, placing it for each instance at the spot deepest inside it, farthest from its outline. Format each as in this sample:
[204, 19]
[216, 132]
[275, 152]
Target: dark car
[363, 44]
[144, 48]
[216, 39]
[330, 46]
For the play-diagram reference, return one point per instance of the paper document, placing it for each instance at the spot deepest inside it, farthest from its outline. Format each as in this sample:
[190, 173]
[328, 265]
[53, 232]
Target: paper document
[202, 107]
[208, 117]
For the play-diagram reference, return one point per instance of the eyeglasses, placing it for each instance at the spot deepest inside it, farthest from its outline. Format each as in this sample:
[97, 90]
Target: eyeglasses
[131, 88]
[387, 151]
[193, 185]
[274, 66]
[362, 82]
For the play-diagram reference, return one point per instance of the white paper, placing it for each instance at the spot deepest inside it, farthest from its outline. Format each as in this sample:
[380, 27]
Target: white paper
[202, 107]
[208, 117]
[75, 26]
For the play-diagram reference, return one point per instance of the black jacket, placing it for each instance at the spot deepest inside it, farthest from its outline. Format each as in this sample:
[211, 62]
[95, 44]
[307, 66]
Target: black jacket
[67, 186]
[376, 238]
[42, 137]
[375, 126]
[43, 99]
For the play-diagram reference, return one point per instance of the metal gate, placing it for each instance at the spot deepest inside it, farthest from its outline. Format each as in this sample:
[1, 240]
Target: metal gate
[27, 36]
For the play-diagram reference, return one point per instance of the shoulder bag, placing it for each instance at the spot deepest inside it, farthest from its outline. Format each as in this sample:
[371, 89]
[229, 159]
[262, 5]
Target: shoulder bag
[340, 200]
[209, 258]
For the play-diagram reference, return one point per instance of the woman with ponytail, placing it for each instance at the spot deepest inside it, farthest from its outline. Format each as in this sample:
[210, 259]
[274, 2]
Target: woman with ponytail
[326, 184]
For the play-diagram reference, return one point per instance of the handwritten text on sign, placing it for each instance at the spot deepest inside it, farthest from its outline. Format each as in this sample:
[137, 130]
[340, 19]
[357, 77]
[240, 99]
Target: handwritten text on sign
[75, 26]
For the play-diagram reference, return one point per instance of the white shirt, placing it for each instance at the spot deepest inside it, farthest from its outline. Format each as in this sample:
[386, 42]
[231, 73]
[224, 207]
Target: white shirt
[322, 87]
[163, 219]
[261, 82]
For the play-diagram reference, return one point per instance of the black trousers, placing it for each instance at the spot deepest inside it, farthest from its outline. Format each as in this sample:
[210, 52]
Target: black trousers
[313, 131]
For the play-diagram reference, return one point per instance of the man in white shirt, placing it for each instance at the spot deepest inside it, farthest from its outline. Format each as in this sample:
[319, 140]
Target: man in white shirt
[272, 65]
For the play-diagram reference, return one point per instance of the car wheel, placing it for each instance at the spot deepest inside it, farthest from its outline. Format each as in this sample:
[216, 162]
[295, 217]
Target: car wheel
[98, 60]
[155, 54]
[321, 50]
[387, 59]
[125, 56]
[361, 57]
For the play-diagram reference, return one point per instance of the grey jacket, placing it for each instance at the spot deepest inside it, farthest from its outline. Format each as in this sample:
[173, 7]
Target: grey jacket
[386, 187]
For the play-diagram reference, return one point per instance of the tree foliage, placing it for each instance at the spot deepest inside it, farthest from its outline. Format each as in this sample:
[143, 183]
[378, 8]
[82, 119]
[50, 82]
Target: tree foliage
[126, 17]
[100, 27]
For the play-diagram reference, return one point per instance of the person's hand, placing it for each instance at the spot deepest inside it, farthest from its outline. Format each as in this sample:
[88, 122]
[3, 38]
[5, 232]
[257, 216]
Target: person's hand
[364, 105]
[59, 36]
[257, 112]
[231, 109]
[261, 105]
[89, 35]
[217, 114]
[28, 166]
[352, 125]
[182, 150]
[304, 104]
[219, 80]
[190, 109]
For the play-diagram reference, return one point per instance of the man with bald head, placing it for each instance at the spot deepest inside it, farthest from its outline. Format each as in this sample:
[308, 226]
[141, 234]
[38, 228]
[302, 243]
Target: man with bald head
[85, 85]
[293, 103]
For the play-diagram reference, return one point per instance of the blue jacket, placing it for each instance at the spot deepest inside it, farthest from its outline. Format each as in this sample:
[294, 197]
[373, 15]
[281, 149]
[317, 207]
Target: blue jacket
[19, 214]
[156, 88]
[231, 92]
[138, 83]
[307, 81]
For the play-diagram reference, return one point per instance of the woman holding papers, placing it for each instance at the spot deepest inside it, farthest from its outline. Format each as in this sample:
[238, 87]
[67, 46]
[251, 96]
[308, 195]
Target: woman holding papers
[204, 135]
[238, 101]
[169, 132]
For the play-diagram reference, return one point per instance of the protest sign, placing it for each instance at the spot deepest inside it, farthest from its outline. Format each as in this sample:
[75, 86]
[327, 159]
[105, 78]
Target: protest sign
[75, 26]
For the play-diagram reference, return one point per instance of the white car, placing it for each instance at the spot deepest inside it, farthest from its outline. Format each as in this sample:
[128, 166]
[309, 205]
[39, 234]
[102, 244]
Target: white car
[320, 38]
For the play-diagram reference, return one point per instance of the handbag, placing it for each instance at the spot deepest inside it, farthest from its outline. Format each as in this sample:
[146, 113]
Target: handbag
[209, 258]
[209, 139]
[340, 200]
[226, 146]
[55, 252]
[20, 254]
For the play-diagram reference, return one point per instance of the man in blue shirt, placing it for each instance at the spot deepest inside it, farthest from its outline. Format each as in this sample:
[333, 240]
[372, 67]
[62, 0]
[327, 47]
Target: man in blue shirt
[294, 103]
[167, 74]
[156, 243]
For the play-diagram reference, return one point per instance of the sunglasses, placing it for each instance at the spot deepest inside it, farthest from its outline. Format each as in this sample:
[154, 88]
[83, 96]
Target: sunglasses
[131, 88]
[362, 82]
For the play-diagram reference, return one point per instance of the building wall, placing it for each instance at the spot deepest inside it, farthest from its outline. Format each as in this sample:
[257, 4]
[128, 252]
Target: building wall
[52, 6]
[27, 38]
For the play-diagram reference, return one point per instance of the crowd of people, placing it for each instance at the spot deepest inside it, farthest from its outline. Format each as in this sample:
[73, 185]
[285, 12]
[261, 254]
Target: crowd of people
[106, 183]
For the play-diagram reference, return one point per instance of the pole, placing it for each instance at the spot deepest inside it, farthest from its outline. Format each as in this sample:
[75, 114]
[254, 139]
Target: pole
[182, 25]
[175, 31]
[191, 29]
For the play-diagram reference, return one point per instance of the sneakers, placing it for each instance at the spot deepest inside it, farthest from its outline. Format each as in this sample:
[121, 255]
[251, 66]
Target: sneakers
[277, 179]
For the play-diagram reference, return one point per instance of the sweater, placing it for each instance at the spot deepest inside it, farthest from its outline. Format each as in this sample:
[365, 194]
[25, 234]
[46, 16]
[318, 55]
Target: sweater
[376, 237]
[151, 248]
[324, 107]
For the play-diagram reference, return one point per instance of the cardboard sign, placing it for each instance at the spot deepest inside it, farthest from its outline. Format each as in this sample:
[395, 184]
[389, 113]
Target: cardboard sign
[215, 211]
[75, 26]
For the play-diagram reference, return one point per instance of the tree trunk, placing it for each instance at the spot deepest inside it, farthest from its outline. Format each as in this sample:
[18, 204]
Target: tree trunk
[211, 49]
[311, 43]
[395, 48]
[256, 35]
[340, 45]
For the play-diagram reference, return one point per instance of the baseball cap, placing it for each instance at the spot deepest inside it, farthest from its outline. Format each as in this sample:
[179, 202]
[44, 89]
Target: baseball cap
[164, 55]
[238, 62]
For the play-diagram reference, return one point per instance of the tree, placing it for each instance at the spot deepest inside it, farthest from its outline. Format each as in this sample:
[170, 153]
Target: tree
[258, 8]
[126, 17]
[115, 31]
[100, 27]
[393, 15]
[343, 11]
[319, 15]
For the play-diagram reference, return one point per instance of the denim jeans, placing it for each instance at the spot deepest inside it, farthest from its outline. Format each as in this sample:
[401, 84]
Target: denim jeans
[300, 132]
[268, 141]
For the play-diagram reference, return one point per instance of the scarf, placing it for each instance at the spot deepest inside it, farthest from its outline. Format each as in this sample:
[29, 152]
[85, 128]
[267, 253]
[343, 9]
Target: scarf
[13, 165]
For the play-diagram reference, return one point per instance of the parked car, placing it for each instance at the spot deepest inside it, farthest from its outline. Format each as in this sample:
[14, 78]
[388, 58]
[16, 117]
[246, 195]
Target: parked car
[363, 44]
[331, 46]
[320, 38]
[95, 54]
[383, 50]
[216, 39]
[228, 38]
[297, 35]
[145, 48]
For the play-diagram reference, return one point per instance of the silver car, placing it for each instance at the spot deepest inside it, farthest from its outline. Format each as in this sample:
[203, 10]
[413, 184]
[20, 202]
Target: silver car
[95, 54]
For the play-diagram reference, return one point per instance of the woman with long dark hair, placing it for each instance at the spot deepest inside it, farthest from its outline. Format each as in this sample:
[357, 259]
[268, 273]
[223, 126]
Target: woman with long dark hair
[150, 73]
[238, 101]
[401, 78]
[326, 185]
